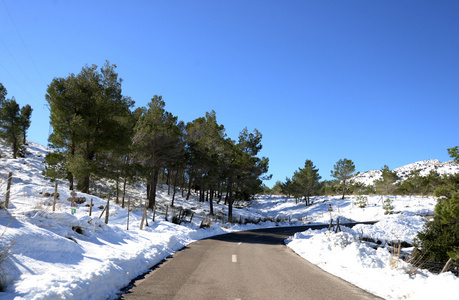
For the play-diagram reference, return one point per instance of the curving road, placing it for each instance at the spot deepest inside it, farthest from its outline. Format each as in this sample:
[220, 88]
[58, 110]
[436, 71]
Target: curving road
[244, 265]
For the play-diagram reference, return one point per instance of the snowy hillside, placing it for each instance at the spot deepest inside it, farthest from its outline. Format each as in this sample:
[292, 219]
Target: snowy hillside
[449, 167]
[60, 255]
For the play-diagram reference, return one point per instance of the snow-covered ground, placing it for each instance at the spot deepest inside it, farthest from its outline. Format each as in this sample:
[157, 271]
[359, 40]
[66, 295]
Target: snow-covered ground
[60, 255]
[424, 166]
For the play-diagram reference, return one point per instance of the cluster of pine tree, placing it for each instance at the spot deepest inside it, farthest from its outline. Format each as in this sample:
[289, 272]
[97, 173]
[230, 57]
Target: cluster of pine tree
[14, 122]
[97, 134]
[305, 182]
[415, 184]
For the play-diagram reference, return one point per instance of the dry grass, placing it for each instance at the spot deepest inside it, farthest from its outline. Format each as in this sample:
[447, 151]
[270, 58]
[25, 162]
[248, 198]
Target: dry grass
[395, 254]
[415, 262]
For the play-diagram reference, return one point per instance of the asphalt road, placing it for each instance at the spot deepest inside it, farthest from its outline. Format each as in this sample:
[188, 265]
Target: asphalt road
[244, 265]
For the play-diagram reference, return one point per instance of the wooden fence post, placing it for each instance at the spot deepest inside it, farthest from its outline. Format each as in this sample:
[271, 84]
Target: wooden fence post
[143, 217]
[338, 228]
[102, 213]
[129, 204]
[90, 207]
[55, 196]
[8, 188]
[107, 210]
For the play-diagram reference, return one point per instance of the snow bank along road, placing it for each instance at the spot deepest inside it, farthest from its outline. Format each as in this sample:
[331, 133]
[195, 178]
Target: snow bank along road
[244, 265]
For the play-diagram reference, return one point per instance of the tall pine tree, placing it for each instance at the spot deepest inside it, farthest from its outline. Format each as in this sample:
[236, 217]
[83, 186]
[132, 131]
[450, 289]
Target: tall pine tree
[87, 116]
[386, 185]
[26, 113]
[306, 181]
[342, 171]
[10, 125]
[157, 143]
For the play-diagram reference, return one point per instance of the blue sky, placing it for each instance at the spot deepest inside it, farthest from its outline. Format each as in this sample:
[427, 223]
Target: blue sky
[372, 81]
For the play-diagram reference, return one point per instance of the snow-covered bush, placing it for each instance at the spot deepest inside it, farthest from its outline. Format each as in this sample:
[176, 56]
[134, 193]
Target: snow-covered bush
[388, 207]
[361, 201]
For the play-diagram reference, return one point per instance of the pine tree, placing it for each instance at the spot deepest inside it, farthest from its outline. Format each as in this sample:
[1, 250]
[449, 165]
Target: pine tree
[307, 181]
[414, 184]
[342, 171]
[454, 153]
[242, 169]
[251, 168]
[205, 138]
[439, 240]
[277, 188]
[87, 113]
[26, 113]
[386, 185]
[3, 94]
[157, 143]
[286, 187]
[10, 124]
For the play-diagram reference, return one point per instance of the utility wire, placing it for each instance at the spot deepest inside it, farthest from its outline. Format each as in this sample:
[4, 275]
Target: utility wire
[14, 79]
[23, 42]
[14, 59]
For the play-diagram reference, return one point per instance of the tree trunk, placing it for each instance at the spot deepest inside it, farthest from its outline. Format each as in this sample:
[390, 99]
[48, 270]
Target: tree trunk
[83, 184]
[148, 188]
[189, 188]
[211, 204]
[230, 201]
[70, 178]
[182, 185]
[117, 199]
[152, 194]
[175, 185]
[15, 147]
[124, 192]
[69, 174]
[168, 182]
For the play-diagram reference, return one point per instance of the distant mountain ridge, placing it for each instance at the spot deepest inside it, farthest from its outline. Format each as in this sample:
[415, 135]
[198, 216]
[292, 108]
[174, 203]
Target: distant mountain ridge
[449, 167]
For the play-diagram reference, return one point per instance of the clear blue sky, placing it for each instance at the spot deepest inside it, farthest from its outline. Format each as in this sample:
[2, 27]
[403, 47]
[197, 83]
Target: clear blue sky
[372, 81]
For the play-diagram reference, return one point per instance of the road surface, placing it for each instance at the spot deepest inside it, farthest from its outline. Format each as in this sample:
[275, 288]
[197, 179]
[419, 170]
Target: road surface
[242, 265]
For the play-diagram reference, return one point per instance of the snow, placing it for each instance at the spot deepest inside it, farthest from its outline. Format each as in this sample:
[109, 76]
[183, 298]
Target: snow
[425, 167]
[344, 255]
[58, 255]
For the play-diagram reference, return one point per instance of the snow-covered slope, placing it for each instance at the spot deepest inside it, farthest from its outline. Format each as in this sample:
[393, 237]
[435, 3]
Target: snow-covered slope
[425, 167]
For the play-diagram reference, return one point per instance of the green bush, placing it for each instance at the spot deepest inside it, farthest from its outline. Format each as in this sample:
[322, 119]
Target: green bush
[441, 235]
[388, 207]
[361, 201]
